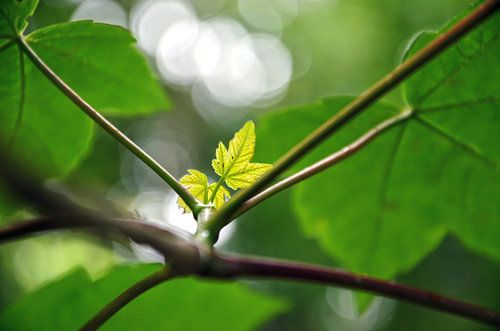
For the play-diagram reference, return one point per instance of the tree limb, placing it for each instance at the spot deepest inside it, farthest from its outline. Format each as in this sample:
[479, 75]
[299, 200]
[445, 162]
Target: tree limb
[20, 229]
[187, 256]
[229, 267]
[182, 252]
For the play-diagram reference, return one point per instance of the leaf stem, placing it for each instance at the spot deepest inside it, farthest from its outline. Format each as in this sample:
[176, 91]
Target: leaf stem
[217, 186]
[109, 127]
[228, 267]
[127, 296]
[357, 106]
[325, 163]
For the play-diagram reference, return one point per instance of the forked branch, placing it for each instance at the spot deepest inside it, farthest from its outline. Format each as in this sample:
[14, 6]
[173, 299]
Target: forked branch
[225, 215]
[325, 163]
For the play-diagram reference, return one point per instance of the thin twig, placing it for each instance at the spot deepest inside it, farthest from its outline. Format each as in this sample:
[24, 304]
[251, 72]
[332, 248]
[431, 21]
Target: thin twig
[227, 267]
[127, 296]
[325, 163]
[357, 106]
[109, 127]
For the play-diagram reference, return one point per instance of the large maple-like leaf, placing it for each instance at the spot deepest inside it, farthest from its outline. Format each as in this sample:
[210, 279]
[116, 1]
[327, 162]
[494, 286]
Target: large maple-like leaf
[385, 208]
[99, 61]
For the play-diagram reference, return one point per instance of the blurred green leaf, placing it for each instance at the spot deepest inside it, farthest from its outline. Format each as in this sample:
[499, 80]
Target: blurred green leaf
[39, 122]
[98, 61]
[182, 304]
[348, 208]
[449, 270]
[384, 209]
[457, 98]
[14, 15]
[234, 165]
[196, 183]
[102, 64]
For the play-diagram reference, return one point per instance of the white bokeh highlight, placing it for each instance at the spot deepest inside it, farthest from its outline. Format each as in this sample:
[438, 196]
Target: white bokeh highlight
[103, 11]
[269, 15]
[217, 60]
[150, 19]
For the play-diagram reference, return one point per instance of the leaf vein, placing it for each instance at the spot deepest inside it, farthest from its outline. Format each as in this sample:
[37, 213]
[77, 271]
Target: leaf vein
[457, 69]
[471, 150]
[22, 93]
[383, 196]
[450, 106]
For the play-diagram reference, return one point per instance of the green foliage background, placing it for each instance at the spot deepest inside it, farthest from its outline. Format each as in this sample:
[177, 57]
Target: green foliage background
[399, 209]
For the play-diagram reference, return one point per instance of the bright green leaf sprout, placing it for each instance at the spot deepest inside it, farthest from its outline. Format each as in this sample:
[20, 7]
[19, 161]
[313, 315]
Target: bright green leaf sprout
[232, 165]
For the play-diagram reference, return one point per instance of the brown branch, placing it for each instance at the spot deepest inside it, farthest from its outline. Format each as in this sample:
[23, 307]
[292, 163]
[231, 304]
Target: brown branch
[228, 267]
[181, 251]
[127, 296]
[21, 229]
[325, 163]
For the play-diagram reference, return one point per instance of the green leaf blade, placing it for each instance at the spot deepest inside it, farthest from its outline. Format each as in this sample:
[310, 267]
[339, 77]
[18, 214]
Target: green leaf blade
[351, 209]
[40, 123]
[196, 183]
[221, 160]
[87, 54]
[240, 151]
[242, 146]
[221, 195]
[13, 17]
[457, 91]
[183, 304]
[382, 210]
[244, 176]
[234, 164]
[458, 100]
[98, 61]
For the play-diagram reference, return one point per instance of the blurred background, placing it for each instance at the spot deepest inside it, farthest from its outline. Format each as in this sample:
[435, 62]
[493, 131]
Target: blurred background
[223, 62]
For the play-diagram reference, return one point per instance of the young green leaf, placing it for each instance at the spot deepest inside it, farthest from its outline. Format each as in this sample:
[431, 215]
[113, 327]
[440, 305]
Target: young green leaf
[245, 176]
[233, 164]
[197, 184]
[221, 195]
